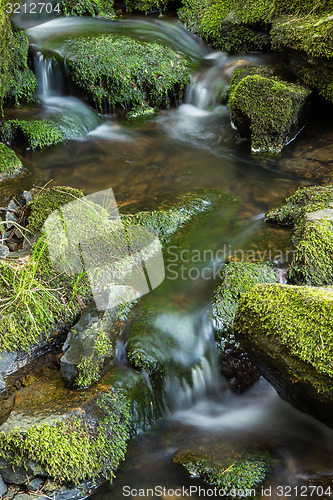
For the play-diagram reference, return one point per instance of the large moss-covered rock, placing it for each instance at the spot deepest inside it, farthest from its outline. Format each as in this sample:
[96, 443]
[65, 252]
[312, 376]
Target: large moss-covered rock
[119, 71]
[17, 81]
[10, 164]
[288, 331]
[306, 44]
[266, 108]
[237, 278]
[103, 8]
[310, 211]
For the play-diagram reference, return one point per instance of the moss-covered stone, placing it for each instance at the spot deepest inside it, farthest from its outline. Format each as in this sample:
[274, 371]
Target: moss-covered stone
[230, 470]
[120, 71]
[237, 278]
[17, 81]
[303, 201]
[103, 8]
[147, 6]
[310, 211]
[306, 43]
[288, 331]
[268, 109]
[10, 164]
[84, 439]
[36, 134]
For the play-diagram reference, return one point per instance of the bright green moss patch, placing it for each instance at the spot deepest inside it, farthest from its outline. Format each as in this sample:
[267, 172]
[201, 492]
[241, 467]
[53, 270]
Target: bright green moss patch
[103, 8]
[298, 318]
[78, 447]
[237, 278]
[118, 70]
[270, 108]
[305, 200]
[237, 474]
[147, 5]
[33, 133]
[17, 81]
[10, 164]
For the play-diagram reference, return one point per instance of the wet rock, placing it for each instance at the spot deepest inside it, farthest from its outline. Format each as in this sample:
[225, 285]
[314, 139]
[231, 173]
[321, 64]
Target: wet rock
[3, 487]
[25, 198]
[35, 483]
[18, 474]
[287, 332]
[310, 211]
[237, 278]
[89, 347]
[238, 370]
[4, 251]
[266, 108]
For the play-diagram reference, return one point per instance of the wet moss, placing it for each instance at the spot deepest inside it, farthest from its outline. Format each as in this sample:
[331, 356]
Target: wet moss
[237, 278]
[147, 6]
[298, 318]
[119, 71]
[10, 164]
[103, 8]
[228, 474]
[17, 81]
[78, 447]
[268, 108]
[305, 200]
[35, 134]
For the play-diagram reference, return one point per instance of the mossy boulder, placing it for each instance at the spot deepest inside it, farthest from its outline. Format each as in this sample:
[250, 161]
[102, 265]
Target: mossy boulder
[310, 211]
[237, 278]
[267, 109]
[288, 332]
[116, 70]
[17, 81]
[232, 468]
[103, 8]
[10, 164]
[148, 6]
[306, 44]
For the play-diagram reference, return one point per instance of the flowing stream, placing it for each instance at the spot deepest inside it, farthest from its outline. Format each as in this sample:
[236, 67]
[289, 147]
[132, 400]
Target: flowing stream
[191, 146]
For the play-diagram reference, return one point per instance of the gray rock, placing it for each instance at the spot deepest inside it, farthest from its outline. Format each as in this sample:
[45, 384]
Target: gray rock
[19, 474]
[4, 251]
[81, 343]
[26, 496]
[35, 483]
[26, 197]
[3, 487]
[10, 215]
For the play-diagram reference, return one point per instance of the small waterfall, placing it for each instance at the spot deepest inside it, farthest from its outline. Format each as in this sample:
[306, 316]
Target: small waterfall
[49, 76]
[192, 372]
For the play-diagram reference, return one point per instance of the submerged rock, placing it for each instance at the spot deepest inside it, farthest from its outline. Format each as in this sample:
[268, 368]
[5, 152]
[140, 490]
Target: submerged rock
[266, 108]
[10, 164]
[310, 211]
[288, 332]
[118, 71]
[230, 467]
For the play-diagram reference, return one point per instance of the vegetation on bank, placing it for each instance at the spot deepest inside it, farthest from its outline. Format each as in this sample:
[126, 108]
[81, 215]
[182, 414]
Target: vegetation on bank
[103, 8]
[119, 71]
[17, 81]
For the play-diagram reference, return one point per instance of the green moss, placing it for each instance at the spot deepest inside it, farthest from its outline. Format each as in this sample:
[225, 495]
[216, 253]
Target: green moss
[147, 5]
[237, 278]
[305, 200]
[298, 318]
[306, 43]
[90, 368]
[75, 448]
[103, 8]
[10, 164]
[237, 474]
[267, 106]
[118, 70]
[17, 81]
